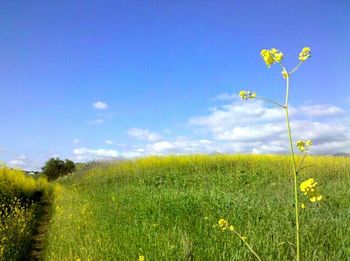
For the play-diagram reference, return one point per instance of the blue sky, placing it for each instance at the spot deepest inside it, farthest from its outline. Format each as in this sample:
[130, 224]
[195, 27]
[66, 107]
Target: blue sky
[164, 74]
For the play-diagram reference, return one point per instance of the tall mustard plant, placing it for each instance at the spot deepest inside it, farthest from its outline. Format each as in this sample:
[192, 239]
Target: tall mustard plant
[308, 187]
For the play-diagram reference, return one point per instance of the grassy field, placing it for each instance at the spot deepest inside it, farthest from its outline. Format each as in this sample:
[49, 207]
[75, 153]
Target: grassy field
[167, 208]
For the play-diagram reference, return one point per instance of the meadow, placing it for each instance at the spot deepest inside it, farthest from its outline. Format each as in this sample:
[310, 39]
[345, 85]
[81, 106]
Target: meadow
[167, 208]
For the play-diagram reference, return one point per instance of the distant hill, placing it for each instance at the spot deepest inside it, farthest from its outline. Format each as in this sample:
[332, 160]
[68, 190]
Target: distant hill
[342, 154]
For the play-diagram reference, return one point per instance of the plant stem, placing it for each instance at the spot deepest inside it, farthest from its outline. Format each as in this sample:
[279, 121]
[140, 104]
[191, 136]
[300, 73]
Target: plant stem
[268, 100]
[296, 67]
[294, 174]
[245, 242]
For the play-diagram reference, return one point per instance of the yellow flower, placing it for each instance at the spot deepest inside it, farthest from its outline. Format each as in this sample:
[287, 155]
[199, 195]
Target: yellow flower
[305, 54]
[308, 143]
[308, 187]
[271, 56]
[223, 224]
[267, 57]
[303, 206]
[232, 228]
[303, 145]
[276, 55]
[141, 258]
[315, 197]
[245, 95]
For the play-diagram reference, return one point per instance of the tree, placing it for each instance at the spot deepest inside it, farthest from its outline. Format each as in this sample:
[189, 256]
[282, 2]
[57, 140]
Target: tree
[69, 166]
[55, 168]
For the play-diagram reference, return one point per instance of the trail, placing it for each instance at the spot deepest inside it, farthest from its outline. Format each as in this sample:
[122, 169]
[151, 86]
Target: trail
[39, 236]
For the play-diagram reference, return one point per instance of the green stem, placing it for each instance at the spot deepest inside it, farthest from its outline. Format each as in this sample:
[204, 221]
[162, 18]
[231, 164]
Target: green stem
[287, 90]
[301, 163]
[296, 68]
[268, 100]
[245, 242]
[294, 174]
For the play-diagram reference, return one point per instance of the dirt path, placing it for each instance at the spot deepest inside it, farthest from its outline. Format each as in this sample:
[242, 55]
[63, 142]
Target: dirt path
[40, 233]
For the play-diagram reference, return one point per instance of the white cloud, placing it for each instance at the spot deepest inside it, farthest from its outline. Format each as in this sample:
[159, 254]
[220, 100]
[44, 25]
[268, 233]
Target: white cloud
[142, 134]
[239, 113]
[23, 162]
[180, 145]
[320, 110]
[109, 142]
[19, 162]
[100, 105]
[242, 127]
[162, 146]
[84, 154]
[256, 128]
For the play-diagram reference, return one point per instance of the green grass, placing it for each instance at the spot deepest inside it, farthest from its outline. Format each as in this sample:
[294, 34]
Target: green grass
[165, 209]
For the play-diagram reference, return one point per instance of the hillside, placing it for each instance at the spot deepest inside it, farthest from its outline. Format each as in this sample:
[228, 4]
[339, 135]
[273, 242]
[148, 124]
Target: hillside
[167, 209]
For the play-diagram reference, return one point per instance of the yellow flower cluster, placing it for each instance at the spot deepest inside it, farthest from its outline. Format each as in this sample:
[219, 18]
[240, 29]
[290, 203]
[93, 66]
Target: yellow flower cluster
[141, 258]
[303, 145]
[224, 225]
[305, 54]
[308, 187]
[271, 56]
[245, 95]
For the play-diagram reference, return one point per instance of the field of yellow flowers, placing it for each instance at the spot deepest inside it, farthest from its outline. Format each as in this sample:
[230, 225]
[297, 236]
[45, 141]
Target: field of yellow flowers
[18, 209]
[186, 208]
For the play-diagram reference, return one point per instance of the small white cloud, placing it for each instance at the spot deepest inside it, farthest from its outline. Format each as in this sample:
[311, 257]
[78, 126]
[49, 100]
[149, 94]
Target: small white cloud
[109, 142]
[141, 134]
[100, 105]
[17, 163]
[162, 146]
[96, 122]
[181, 145]
[85, 154]
[21, 162]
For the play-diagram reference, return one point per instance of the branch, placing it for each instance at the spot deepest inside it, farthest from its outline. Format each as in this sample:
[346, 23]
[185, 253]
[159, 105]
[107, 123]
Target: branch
[271, 101]
[296, 68]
